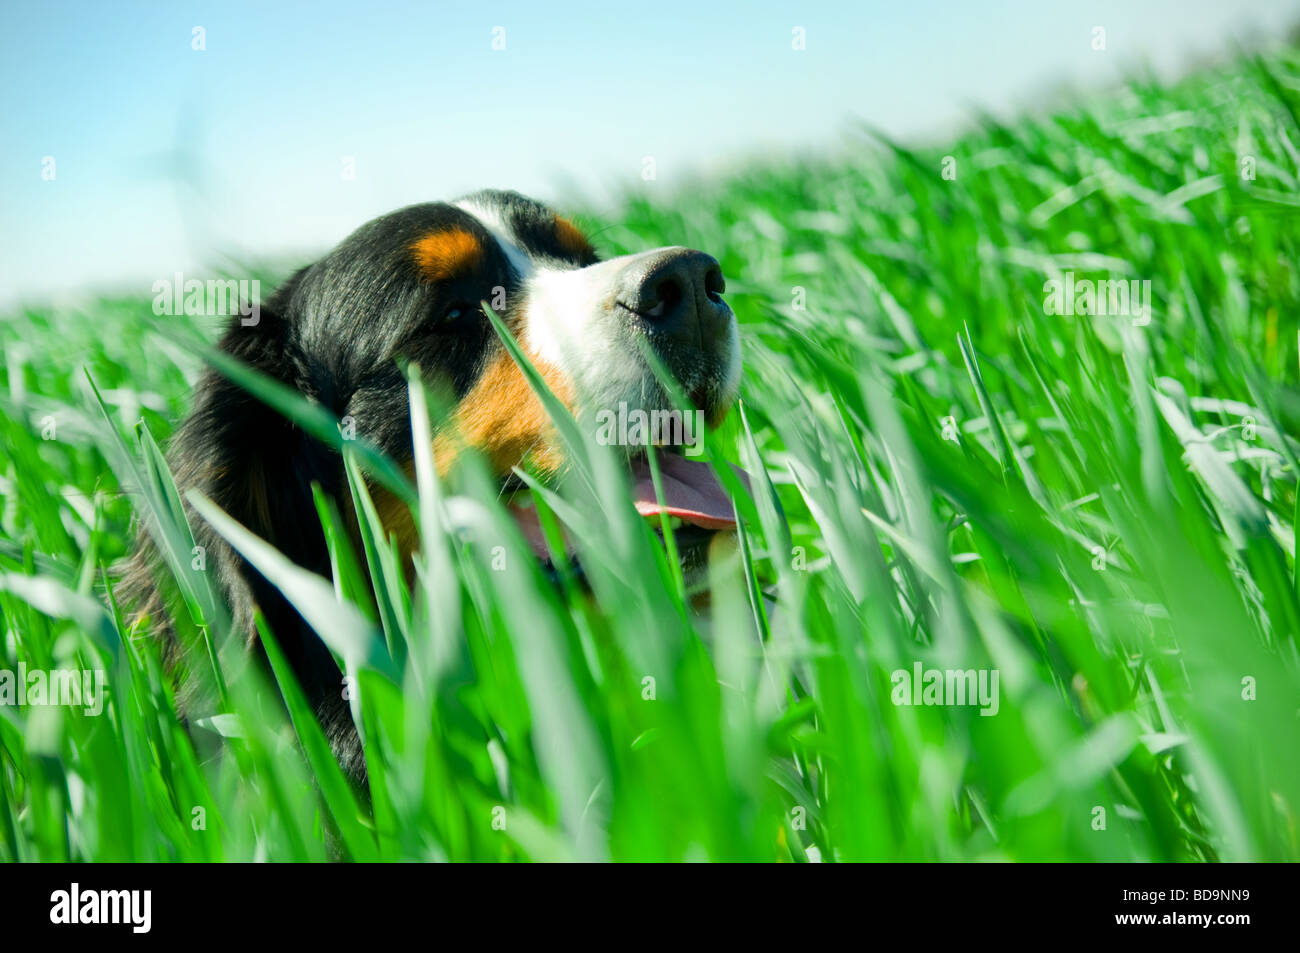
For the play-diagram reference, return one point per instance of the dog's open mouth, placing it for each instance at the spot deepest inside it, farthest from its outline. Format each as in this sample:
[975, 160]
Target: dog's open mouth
[692, 496]
[691, 492]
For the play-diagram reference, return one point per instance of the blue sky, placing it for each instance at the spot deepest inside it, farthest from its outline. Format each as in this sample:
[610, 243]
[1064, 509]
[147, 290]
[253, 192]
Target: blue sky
[166, 156]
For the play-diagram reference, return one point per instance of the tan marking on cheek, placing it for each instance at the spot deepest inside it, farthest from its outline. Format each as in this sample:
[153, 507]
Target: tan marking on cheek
[571, 239]
[445, 254]
[503, 418]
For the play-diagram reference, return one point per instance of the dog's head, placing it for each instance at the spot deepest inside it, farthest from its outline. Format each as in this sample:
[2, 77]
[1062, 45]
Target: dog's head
[409, 287]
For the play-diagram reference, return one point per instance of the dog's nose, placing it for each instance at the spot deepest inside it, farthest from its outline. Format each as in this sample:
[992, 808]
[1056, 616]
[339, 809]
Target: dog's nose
[677, 294]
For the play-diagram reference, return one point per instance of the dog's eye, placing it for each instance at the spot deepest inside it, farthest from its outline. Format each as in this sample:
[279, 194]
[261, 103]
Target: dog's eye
[458, 312]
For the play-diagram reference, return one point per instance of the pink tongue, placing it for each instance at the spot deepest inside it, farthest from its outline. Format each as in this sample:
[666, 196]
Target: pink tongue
[691, 492]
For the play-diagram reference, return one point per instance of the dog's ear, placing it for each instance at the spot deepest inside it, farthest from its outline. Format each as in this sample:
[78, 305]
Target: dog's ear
[258, 466]
[250, 460]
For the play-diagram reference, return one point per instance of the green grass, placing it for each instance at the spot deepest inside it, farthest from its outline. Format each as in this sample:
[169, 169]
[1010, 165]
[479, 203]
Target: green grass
[1109, 523]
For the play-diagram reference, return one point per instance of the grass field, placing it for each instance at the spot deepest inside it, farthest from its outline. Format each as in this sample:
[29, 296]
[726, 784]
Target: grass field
[948, 471]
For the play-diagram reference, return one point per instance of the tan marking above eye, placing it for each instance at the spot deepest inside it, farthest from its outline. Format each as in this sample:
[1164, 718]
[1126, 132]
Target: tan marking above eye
[571, 239]
[445, 254]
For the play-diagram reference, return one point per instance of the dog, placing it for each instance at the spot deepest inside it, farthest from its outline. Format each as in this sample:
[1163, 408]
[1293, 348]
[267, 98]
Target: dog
[409, 287]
